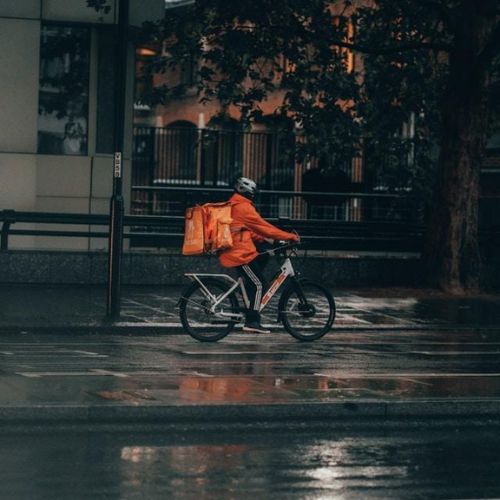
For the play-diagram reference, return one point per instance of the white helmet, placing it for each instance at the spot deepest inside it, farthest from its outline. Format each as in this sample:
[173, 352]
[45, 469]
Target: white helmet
[245, 186]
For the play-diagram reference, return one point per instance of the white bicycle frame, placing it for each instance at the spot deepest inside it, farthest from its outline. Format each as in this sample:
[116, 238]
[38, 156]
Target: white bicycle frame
[286, 271]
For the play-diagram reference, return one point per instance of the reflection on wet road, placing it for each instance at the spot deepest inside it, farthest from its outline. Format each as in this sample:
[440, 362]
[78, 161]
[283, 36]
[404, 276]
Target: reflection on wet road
[176, 370]
[300, 465]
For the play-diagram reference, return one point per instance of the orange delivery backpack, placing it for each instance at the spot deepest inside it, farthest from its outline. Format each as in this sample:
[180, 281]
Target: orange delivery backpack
[207, 228]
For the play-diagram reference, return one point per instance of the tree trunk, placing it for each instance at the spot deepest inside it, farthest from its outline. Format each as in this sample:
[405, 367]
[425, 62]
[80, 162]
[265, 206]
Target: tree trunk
[452, 254]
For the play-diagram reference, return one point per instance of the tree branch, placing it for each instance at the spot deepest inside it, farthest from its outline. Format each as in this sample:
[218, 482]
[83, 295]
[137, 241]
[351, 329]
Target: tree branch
[388, 49]
[490, 50]
[393, 49]
[445, 13]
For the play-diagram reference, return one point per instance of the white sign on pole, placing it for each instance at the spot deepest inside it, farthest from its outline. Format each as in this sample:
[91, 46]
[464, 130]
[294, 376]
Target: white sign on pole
[117, 166]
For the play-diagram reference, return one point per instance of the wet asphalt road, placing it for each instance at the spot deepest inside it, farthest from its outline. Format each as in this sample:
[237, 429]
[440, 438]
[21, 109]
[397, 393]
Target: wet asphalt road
[430, 463]
[380, 357]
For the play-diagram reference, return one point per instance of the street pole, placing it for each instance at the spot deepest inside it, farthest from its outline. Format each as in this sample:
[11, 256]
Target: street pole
[115, 245]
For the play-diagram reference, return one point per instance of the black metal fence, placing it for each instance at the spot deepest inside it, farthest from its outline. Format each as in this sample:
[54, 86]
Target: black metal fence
[207, 157]
[168, 159]
[311, 206]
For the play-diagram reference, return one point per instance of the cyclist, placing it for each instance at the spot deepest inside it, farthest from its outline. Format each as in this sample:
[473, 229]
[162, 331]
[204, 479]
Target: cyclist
[248, 228]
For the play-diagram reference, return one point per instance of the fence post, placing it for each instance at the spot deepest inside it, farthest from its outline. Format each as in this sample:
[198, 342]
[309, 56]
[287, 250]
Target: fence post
[8, 219]
[152, 139]
[5, 236]
[200, 168]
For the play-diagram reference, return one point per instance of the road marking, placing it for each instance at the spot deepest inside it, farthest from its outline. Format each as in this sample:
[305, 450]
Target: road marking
[455, 353]
[404, 375]
[52, 374]
[91, 354]
[98, 371]
[91, 373]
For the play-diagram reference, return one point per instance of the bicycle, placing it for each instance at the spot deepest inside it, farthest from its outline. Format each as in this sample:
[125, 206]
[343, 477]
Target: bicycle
[209, 308]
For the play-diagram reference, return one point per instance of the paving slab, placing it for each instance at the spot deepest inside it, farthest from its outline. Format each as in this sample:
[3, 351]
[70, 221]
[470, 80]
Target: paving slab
[154, 309]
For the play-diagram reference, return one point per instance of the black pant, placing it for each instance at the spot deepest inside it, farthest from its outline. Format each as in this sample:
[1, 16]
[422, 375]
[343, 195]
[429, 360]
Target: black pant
[255, 284]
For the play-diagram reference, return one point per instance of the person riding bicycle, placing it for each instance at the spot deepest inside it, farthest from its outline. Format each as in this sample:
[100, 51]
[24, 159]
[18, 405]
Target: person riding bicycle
[248, 228]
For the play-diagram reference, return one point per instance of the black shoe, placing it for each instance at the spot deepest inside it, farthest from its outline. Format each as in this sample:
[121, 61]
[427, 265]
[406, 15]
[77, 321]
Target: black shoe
[255, 327]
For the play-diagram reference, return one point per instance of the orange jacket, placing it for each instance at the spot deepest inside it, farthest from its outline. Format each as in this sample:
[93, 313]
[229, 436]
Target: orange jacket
[248, 226]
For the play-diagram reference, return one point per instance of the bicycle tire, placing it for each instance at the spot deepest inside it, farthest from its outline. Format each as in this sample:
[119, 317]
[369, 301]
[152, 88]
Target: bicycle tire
[211, 328]
[314, 320]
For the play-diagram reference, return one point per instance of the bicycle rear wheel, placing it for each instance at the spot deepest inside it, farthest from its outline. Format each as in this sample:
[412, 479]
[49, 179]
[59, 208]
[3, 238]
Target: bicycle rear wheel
[196, 315]
[307, 310]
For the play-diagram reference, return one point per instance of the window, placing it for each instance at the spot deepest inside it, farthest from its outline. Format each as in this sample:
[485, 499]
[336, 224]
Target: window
[64, 90]
[105, 119]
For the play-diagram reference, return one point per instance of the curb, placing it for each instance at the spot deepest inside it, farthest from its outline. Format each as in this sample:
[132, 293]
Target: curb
[159, 328]
[357, 411]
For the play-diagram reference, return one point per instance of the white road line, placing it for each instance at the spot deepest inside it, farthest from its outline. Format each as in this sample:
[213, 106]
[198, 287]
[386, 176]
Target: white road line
[52, 374]
[91, 354]
[405, 375]
[108, 372]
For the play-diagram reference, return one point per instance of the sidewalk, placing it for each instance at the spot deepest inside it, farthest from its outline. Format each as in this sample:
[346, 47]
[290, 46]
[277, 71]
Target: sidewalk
[394, 355]
[155, 309]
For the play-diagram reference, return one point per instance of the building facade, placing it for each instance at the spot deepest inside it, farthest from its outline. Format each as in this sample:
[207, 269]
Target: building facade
[56, 109]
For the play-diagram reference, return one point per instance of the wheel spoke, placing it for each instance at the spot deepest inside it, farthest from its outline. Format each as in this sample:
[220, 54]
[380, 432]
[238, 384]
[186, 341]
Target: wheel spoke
[197, 316]
[311, 319]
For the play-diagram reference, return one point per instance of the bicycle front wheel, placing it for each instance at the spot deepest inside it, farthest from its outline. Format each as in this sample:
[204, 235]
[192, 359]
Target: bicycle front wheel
[200, 319]
[307, 310]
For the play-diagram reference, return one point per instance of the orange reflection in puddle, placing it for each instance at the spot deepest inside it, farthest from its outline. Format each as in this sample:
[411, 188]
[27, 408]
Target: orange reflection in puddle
[215, 388]
[239, 389]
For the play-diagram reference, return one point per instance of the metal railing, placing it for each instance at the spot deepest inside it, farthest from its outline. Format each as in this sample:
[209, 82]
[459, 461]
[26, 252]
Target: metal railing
[190, 157]
[12, 219]
[346, 221]
[168, 231]
[321, 206]
[157, 231]
[185, 156]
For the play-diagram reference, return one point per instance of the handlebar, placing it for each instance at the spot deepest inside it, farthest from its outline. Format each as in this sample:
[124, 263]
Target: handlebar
[282, 247]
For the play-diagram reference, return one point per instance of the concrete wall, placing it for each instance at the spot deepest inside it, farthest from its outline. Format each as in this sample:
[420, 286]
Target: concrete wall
[21, 8]
[169, 269]
[76, 11]
[90, 268]
[19, 67]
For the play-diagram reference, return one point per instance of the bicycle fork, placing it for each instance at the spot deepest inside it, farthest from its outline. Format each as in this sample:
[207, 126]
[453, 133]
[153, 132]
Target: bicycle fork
[296, 285]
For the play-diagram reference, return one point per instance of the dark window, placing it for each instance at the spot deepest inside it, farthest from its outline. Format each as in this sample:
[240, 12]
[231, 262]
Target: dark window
[105, 127]
[64, 90]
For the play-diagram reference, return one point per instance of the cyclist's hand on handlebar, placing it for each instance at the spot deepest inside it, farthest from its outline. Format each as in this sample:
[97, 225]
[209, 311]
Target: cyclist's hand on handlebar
[295, 238]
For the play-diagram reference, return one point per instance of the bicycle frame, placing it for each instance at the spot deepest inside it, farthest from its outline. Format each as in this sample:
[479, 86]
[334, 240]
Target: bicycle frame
[216, 300]
[287, 271]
